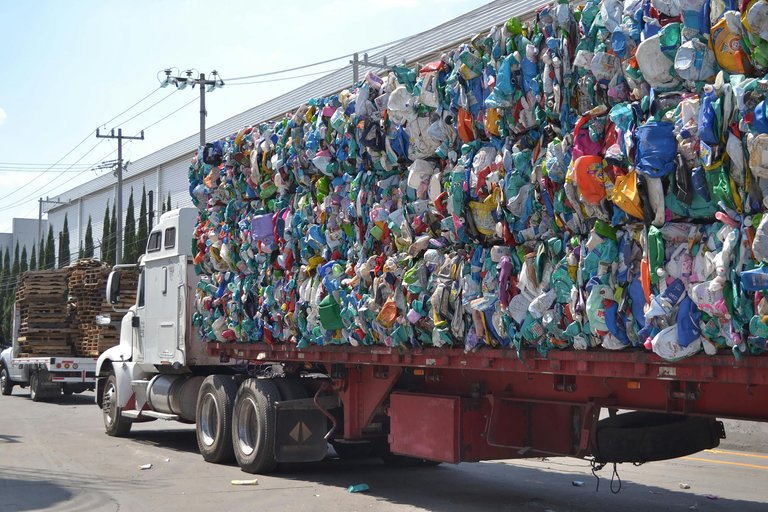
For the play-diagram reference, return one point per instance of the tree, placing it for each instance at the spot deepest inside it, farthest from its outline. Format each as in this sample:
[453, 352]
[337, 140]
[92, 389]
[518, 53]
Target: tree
[80, 251]
[88, 249]
[64, 244]
[104, 249]
[113, 237]
[50, 250]
[23, 266]
[129, 233]
[168, 207]
[41, 255]
[15, 271]
[33, 259]
[143, 230]
[6, 264]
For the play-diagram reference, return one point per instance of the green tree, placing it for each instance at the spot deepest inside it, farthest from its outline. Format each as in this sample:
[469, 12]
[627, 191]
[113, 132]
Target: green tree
[41, 255]
[104, 249]
[113, 234]
[23, 265]
[168, 207]
[33, 259]
[129, 233]
[50, 250]
[16, 266]
[143, 230]
[88, 249]
[64, 244]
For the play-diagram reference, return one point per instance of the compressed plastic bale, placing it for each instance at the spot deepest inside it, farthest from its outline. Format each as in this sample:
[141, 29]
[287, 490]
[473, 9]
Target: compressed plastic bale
[695, 61]
[657, 68]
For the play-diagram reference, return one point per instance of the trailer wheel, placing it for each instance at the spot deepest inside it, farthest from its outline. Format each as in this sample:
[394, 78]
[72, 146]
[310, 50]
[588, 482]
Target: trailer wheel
[115, 424]
[253, 425]
[6, 384]
[34, 387]
[644, 437]
[214, 418]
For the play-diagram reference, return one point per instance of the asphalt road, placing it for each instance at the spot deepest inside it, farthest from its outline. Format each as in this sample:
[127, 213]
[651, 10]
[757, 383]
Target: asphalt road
[55, 456]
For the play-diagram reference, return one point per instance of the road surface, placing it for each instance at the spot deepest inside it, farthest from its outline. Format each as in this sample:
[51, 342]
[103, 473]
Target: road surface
[55, 456]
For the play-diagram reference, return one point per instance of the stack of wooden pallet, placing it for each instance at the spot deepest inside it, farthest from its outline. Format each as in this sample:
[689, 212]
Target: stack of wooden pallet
[87, 285]
[45, 326]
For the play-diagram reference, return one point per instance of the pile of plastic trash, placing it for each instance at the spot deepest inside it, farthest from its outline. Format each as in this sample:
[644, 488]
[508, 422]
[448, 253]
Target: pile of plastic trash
[593, 178]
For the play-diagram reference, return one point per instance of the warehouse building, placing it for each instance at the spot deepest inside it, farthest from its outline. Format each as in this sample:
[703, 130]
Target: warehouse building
[164, 172]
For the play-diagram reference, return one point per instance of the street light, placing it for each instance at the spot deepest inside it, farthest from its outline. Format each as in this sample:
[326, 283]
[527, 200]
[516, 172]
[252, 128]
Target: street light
[181, 82]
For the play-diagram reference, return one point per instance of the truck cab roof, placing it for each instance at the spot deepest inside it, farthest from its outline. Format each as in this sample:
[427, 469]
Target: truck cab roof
[171, 235]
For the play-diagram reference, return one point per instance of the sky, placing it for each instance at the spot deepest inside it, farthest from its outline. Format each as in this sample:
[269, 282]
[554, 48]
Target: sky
[71, 66]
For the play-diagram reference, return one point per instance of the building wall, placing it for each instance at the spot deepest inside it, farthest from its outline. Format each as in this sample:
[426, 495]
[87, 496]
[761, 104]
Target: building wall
[25, 234]
[6, 241]
[168, 178]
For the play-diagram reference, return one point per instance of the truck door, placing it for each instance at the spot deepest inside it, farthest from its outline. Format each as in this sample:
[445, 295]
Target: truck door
[165, 282]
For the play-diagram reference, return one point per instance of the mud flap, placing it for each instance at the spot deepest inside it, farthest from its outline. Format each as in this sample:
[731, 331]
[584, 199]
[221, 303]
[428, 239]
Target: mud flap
[300, 433]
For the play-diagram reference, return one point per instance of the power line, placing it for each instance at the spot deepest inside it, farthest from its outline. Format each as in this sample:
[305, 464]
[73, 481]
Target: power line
[288, 77]
[129, 108]
[149, 107]
[169, 115]
[305, 66]
[27, 164]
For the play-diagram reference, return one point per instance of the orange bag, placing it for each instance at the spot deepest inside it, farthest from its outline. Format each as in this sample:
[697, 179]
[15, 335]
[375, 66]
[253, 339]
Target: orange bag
[466, 126]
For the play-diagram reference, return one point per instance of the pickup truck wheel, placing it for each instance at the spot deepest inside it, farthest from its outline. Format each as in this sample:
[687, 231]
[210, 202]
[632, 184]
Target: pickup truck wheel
[214, 418]
[114, 423]
[254, 420]
[6, 384]
[66, 390]
[647, 436]
[34, 387]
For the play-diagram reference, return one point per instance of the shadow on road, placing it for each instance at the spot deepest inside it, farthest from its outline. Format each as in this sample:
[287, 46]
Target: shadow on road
[68, 400]
[482, 486]
[21, 494]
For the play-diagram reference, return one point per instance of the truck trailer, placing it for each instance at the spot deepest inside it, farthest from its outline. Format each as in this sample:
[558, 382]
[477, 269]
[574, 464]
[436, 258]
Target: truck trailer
[267, 403]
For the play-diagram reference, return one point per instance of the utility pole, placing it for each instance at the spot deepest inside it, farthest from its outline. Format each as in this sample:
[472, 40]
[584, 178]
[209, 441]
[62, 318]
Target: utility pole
[181, 82]
[356, 63]
[40, 215]
[119, 198]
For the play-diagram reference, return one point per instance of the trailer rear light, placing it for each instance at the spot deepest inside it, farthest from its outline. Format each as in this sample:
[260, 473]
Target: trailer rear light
[66, 366]
[633, 384]
[58, 365]
[418, 371]
[74, 366]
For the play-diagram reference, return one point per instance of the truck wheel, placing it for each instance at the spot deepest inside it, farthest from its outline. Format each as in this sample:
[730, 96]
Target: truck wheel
[253, 425]
[214, 418]
[114, 423]
[6, 384]
[647, 436]
[66, 390]
[34, 387]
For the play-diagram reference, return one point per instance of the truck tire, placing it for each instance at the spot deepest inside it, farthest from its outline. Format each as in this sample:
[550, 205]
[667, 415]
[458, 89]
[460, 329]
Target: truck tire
[213, 425]
[6, 384]
[253, 425]
[646, 436]
[115, 424]
[34, 387]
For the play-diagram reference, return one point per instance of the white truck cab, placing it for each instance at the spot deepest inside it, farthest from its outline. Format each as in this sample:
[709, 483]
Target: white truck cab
[149, 374]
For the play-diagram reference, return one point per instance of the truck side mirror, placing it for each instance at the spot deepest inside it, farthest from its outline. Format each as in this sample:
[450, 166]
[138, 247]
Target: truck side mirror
[113, 287]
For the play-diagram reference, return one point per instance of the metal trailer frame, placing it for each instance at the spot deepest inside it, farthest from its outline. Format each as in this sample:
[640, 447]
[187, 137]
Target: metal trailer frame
[448, 405]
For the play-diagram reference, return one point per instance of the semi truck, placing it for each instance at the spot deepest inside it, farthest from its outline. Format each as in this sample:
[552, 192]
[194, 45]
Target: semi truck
[46, 376]
[267, 403]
